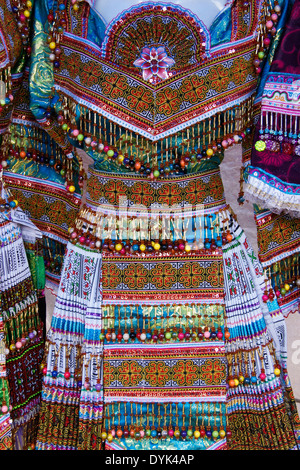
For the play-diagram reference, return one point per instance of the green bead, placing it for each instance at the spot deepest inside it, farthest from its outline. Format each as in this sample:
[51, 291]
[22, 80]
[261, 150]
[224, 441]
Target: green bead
[148, 432]
[260, 145]
[190, 432]
[156, 173]
[215, 434]
[168, 335]
[64, 127]
[110, 153]
[261, 55]
[80, 137]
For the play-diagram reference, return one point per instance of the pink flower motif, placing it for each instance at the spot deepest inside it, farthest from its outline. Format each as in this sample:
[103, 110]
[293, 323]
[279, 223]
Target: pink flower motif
[154, 63]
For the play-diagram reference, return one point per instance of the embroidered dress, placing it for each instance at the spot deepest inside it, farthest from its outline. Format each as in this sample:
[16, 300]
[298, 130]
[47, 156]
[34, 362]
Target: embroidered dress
[160, 337]
[22, 341]
[272, 173]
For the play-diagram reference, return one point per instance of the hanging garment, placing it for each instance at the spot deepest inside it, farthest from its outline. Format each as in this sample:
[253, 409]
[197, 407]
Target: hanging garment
[164, 333]
[271, 173]
[36, 168]
[22, 338]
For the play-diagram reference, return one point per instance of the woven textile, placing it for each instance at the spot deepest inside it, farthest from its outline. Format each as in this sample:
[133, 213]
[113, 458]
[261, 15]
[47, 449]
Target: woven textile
[162, 335]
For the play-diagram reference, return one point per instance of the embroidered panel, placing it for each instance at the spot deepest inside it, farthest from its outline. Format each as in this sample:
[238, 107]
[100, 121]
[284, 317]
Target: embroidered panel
[192, 371]
[168, 280]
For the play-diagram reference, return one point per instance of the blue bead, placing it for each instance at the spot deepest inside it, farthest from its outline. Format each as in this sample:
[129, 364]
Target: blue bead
[54, 373]
[61, 6]
[153, 433]
[135, 247]
[253, 379]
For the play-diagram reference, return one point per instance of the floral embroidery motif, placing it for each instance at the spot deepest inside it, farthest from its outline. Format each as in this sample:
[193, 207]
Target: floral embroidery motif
[91, 74]
[154, 63]
[135, 276]
[185, 372]
[191, 275]
[111, 275]
[157, 373]
[219, 78]
[142, 193]
[163, 276]
[213, 371]
[194, 88]
[114, 85]
[168, 101]
[140, 99]
[130, 373]
[113, 191]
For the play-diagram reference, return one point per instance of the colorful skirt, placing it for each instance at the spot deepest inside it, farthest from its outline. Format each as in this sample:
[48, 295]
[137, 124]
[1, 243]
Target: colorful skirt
[164, 335]
[21, 340]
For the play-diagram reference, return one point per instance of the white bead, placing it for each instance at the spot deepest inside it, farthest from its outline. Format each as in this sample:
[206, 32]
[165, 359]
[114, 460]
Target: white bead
[98, 244]
[100, 147]
[88, 140]
[126, 336]
[4, 163]
[143, 337]
[52, 57]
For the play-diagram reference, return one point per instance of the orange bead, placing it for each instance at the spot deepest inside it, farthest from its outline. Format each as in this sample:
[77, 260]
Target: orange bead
[229, 237]
[227, 334]
[22, 154]
[231, 383]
